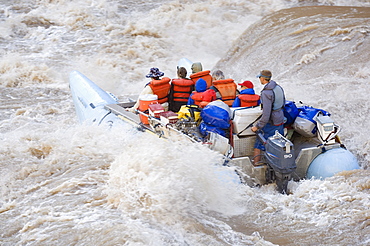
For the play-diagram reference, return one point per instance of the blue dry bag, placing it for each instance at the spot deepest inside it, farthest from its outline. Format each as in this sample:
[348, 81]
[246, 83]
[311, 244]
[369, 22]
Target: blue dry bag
[290, 112]
[215, 118]
[305, 123]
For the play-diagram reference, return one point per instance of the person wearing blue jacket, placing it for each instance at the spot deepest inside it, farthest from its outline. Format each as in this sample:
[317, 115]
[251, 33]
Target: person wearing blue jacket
[247, 96]
[201, 96]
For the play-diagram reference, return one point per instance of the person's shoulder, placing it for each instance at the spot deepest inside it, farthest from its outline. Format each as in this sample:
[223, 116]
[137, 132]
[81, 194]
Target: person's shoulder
[212, 87]
[267, 93]
[211, 91]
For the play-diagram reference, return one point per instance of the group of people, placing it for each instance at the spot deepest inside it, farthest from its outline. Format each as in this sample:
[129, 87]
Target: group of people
[199, 89]
[202, 88]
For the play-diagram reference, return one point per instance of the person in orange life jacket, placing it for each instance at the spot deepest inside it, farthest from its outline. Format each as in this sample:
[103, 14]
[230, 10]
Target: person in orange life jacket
[217, 75]
[156, 86]
[197, 73]
[201, 96]
[273, 101]
[180, 91]
[226, 89]
[247, 96]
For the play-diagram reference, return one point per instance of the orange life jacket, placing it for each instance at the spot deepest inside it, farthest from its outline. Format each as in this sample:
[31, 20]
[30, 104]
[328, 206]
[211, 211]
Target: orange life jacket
[203, 98]
[181, 89]
[227, 89]
[204, 75]
[247, 100]
[161, 88]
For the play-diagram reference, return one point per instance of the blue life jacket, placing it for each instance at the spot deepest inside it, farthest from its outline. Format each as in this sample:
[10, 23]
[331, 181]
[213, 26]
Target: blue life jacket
[279, 101]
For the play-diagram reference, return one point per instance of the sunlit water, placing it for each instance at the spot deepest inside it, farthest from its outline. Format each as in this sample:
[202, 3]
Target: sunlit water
[63, 183]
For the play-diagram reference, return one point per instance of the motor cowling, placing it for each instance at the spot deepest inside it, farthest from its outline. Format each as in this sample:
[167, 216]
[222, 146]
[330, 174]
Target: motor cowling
[280, 158]
[280, 154]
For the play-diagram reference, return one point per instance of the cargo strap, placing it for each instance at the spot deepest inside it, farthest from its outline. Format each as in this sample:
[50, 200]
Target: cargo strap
[192, 109]
[250, 125]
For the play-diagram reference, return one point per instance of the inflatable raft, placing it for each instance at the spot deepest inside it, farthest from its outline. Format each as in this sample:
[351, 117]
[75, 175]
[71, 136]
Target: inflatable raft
[293, 156]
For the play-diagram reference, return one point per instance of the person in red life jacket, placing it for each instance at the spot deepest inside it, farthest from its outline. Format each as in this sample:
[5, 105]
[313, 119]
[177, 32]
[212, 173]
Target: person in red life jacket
[201, 96]
[180, 91]
[197, 73]
[156, 86]
[247, 96]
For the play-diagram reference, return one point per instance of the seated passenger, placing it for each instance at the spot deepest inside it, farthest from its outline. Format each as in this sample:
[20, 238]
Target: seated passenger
[226, 88]
[197, 73]
[156, 86]
[217, 75]
[247, 96]
[201, 96]
[180, 91]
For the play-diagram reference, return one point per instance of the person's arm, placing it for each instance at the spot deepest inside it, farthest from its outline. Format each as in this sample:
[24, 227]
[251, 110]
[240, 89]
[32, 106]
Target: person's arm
[212, 96]
[190, 100]
[218, 94]
[236, 102]
[267, 108]
[145, 91]
[170, 94]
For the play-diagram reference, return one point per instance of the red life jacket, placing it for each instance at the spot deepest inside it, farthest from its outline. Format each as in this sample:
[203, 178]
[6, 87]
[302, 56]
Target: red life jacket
[161, 88]
[247, 100]
[181, 89]
[227, 89]
[204, 75]
[203, 98]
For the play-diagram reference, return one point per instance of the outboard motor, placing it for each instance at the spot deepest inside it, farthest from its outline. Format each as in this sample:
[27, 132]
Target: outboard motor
[279, 155]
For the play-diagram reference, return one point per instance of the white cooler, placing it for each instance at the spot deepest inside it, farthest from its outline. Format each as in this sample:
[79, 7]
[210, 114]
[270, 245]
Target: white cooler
[242, 117]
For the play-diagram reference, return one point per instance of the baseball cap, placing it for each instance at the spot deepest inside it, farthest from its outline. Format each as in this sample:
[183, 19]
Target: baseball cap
[265, 73]
[247, 84]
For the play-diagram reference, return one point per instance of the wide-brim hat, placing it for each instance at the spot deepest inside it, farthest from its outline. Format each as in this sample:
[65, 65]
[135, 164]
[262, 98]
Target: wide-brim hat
[154, 73]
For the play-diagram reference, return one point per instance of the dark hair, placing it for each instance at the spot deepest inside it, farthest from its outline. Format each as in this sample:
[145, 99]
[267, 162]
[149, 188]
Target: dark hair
[181, 72]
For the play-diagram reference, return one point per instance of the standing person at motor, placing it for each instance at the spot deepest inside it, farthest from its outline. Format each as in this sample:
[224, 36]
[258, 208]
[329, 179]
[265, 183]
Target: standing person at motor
[272, 119]
[180, 91]
[247, 96]
[201, 96]
[156, 86]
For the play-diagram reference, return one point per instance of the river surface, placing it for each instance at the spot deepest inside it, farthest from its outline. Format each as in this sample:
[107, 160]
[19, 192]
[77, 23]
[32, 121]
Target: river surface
[63, 183]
